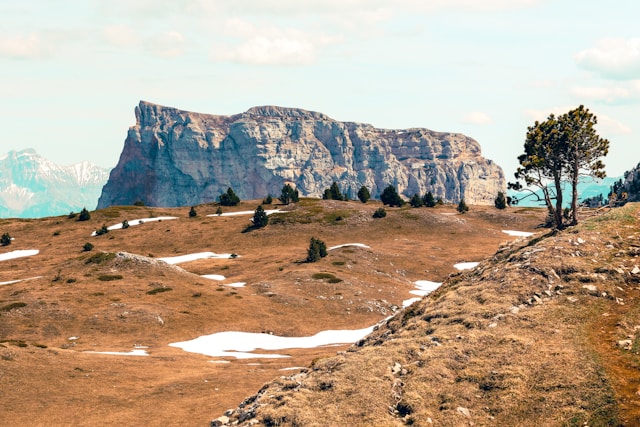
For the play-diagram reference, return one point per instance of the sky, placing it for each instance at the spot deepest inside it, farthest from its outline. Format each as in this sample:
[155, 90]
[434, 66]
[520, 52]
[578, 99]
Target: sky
[72, 71]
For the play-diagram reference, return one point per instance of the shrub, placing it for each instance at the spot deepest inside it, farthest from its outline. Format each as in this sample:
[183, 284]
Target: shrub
[5, 240]
[380, 213]
[87, 247]
[363, 194]
[159, 290]
[268, 200]
[138, 203]
[500, 202]
[462, 207]
[84, 215]
[416, 201]
[260, 218]
[109, 277]
[103, 230]
[71, 215]
[219, 211]
[13, 305]
[192, 212]
[125, 224]
[289, 194]
[333, 193]
[229, 198]
[317, 250]
[428, 200]
[391, 197]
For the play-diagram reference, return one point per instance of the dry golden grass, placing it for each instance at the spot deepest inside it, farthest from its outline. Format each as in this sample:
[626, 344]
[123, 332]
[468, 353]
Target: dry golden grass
[113, 303]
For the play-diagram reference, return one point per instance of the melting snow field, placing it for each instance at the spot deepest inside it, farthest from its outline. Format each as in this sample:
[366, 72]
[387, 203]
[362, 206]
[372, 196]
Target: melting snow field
[11, 282]
[217, 277]
[517, 233]
[361, 245]
[466, 265]
[267, 211]
[18, 254]
[241, 344]
[137, 352]
[193, 257]
[139, 221]
[423, 287]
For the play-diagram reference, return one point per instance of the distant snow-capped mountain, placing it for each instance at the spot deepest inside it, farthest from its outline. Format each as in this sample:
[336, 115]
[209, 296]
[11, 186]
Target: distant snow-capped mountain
[33, 187]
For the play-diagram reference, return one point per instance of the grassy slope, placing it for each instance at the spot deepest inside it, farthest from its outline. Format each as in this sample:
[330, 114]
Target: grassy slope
[47, 379]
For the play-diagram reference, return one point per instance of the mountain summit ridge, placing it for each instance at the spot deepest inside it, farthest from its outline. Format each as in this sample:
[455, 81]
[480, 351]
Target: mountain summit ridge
[173, 157]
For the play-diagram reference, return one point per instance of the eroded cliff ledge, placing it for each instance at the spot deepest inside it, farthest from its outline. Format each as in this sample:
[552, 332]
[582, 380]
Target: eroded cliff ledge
[179, 158]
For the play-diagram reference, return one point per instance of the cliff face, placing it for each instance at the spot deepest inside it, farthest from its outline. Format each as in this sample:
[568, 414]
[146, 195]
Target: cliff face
[178, 158]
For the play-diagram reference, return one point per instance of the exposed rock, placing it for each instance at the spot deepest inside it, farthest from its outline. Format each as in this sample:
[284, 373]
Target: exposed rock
[178, 158]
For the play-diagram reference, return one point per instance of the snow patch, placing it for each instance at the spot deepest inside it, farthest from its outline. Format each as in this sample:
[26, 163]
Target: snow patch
[466, 265]
[423, 287]
[121, 353]
[139, 221]
[217, 277]
[193, 257]
[267, 211]
[11, 282]
[361, 245]
[515, 233]
[18, 254]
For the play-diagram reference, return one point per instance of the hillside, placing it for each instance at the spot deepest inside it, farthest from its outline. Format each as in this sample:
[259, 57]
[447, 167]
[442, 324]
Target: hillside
[78, 301]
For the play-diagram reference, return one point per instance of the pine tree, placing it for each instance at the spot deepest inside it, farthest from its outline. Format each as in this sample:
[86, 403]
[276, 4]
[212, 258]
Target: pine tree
[192, 212]
[5, 240]
[229, 198]
[462, 207]
[363, 194]
[84, 215]
[260, 218]
[125, 224]
[288, 194]
[500, 202]
[416, 201]
[317, 250]
[390, 196]
[268, 200]
[333, 193]
[428, 200]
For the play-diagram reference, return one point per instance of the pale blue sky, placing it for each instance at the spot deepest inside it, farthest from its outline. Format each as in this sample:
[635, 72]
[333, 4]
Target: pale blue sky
[72, 71]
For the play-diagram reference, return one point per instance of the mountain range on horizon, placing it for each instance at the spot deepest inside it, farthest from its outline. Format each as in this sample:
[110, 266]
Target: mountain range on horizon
[33, 187]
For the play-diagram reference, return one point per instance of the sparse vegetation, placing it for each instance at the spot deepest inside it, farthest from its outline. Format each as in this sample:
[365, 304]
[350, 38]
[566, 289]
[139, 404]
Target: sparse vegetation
[161, 289]
[13, 306]
[317, 250]
[109, 277]
[326, 276]
[100, 258]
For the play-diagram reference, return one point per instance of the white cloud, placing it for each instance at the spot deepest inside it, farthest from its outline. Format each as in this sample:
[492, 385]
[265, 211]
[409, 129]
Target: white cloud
[169, 45]
[121, 35]
[23, 46]
[478, 118]
[613, 58]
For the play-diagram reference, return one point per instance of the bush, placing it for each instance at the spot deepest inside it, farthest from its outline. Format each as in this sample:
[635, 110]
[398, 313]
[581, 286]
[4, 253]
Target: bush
[192, 212]
[138, 203]
[462, 207]
[500, 202]
[416, 201]
[84, 215]
[288, 194]
[71, 215]
[219, 211]
[125, 224]
[5, 240]
[333, 193]
[229, 198]
[390, 197]
[160, 290]
[103, 230]
[428, 200]
[317, 250]
[363, 194]
[260, 218]
[268, 200]
[87, 247]
[109, 277]
[380, 213]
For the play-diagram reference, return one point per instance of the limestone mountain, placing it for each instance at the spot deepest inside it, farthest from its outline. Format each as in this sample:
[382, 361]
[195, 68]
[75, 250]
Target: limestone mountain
[173, 157]
[32, 186]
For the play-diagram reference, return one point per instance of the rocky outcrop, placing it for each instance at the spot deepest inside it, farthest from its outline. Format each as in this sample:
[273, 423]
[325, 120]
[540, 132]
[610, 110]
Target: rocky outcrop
[178, 158]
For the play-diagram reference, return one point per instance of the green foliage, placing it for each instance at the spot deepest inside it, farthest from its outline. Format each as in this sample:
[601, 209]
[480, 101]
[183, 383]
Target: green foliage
[363, 194]
[416, 201]
[380, 213]
[260, 218]
[390, 197]
[561, 149]
[326, 276]
[229, 198]
[192, 212]
[159, 290]
[87, 247]
[317, 250]
[289, 194]
[268, 200]
[462, 207]
[100, 258]
[109, 277]
[103, 230]
[219, 211]
[333, 193]
[84, 215]
[5, 240]
[428, 200]
[500, 202]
